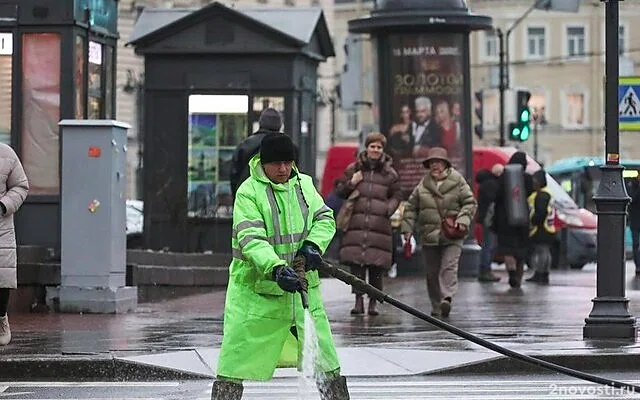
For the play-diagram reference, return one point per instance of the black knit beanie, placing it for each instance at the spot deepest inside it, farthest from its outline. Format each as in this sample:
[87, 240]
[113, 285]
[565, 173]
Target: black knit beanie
[277, 147]
[270, 120]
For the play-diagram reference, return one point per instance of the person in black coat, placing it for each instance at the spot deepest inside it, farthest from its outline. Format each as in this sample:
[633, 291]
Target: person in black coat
[634, 220]
[513, 241]
[488, 184]
[270, 121]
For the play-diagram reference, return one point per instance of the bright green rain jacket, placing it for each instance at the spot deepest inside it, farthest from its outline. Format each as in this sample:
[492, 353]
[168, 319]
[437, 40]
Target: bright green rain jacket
[270, 222]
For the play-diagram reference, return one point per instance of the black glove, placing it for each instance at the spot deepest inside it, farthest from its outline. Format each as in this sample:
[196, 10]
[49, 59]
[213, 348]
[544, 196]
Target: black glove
[287, 279]
[311, 254]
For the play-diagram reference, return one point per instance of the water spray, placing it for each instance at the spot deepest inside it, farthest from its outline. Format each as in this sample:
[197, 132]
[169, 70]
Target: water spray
[382, 297]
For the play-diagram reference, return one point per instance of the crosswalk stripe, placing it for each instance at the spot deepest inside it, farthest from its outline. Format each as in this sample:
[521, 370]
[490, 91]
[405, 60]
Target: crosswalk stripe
[466, 388]
[90, 384]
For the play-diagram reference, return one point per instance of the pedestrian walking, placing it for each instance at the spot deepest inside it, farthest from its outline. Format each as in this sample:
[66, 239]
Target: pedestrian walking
[440, 210]
[513, 241]
[372, 192]
[14, 187]
[543, 231]
[634, 220]
[279, 218]
[488, 183]
[270, 121]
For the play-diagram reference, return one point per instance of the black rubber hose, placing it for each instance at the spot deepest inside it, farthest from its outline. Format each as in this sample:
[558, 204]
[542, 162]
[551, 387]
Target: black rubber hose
[379, 295]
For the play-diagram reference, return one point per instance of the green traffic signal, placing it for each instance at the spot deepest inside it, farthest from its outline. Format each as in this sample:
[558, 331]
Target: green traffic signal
[525, 116]
[524, 135]
[515, 133]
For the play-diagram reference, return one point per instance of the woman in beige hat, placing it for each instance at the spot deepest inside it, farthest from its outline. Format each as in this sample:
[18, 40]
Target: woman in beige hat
[443, 193]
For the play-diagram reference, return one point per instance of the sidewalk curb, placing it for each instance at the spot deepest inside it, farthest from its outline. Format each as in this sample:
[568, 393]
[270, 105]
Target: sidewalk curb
[108, 368]
[580, 362]
[86, 368]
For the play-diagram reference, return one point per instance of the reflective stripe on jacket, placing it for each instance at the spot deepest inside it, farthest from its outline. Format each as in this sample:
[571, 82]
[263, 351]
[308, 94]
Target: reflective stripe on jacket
[270, 222]
[548, 222]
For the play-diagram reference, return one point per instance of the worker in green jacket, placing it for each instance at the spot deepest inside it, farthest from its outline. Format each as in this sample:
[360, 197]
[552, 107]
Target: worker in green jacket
[278, 216]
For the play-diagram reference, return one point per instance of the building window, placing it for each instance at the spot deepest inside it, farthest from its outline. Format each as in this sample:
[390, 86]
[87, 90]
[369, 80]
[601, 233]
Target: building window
[6, 58]
[536, 42]
[491, 110]
[217, 124]
[538, 106]
[260, 103]
[574, 110]
[491, 44]
[351, 122]
[95, 104]
[109, 93]
[622, 39]
[80, 105]
[41, 111]
[575, 41]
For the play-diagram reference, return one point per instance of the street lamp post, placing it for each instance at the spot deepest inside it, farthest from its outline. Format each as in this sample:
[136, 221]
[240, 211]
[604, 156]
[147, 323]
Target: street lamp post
[609, 317]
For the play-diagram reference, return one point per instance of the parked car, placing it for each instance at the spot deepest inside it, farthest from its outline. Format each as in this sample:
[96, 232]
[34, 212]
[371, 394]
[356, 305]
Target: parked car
[135, 222]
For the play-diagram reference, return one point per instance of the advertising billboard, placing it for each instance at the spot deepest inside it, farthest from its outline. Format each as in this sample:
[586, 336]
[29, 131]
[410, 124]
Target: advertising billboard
[427, 99]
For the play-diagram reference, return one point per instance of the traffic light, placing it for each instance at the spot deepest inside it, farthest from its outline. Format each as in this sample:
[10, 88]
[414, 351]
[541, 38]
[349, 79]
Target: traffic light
[478, 128]
[520, 129]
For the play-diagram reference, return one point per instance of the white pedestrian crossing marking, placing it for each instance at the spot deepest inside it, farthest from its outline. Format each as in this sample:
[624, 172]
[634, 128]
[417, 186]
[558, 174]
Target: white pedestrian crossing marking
[630, 104]
[407, 388]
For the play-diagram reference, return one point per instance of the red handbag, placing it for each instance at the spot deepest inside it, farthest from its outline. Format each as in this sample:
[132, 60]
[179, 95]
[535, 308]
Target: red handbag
[448, 223]
[407, 249]
[450, 231]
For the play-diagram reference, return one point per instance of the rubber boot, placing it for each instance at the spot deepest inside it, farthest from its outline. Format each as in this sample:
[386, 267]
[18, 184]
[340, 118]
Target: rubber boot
[540, 277]
[358, 309]
[372, 307]
[514, 282]
[5, 331]
[224, 390]
[334, 389]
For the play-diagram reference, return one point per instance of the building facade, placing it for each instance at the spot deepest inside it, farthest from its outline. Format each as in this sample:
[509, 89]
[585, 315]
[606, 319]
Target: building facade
[559, 57]
[130, 76]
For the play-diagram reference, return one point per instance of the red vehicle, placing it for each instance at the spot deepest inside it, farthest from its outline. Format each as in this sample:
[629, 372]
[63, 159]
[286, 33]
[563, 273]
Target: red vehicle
[577, 226]
[338, 159]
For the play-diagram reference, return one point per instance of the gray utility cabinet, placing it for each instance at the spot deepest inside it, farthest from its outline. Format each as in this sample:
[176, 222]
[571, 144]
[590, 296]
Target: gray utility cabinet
[93, 218]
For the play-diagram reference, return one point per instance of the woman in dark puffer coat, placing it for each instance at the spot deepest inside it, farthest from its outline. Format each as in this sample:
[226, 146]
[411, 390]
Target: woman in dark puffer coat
[367, 243]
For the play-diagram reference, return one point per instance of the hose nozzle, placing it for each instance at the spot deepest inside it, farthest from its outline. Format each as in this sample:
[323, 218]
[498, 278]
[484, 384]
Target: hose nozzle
[305, 299]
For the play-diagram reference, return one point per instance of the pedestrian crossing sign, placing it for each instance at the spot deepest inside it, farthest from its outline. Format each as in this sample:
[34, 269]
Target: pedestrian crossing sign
[629, 103]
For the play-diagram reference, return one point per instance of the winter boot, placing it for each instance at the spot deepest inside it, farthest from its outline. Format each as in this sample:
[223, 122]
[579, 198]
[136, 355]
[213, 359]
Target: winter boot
[372, 307]
[5, 331]
[445, 307]
[488, 276]
[539, 277]
[358, 309]
[225, 390]
[334, 389]
[514, 281]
